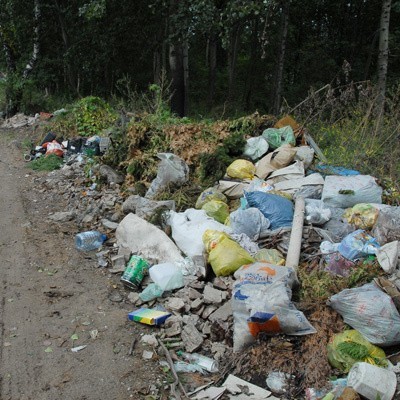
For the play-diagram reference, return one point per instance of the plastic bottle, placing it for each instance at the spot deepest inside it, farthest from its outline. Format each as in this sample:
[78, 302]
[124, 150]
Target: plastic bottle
[90, 240]
[204, 362]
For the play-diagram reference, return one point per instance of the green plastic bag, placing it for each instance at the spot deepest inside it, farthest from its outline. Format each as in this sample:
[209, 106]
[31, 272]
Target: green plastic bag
[217, 209]
[349, 347]
[225, 255]
[277, 137]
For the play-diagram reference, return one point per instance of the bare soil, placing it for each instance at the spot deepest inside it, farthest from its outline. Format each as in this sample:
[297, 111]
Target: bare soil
[50, 292]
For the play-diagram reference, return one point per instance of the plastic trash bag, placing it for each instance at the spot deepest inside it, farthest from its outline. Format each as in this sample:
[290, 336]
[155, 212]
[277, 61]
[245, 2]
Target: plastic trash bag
[349, 347]
[171, 170]
[388, 256]
[250, 221]
[362, 215]
[358, 244]
[271, 256]
[316, 212]
[337, 227]
[277, 137]
[259, 185]
[279, 158]
[277, 209]
[304, 154]
[208, 195]
[371, 311]
[347, 191]
[217, 209]
[338, 265]
[241, 169]
[225, 255]
[188, 228]
[54, 148]
[256, 147]
[387, 226]
[261, 302]
[246, 243]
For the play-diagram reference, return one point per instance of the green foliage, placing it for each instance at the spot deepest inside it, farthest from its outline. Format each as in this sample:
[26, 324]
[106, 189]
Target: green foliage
[92, 115]
[88, 117]
[352, 136]
[213, 165]
[46, 163]
[356, 351]
[319, 285]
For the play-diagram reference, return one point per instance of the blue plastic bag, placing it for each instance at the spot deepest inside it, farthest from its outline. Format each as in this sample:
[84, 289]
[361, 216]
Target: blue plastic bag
[358, 244]
[277, 209]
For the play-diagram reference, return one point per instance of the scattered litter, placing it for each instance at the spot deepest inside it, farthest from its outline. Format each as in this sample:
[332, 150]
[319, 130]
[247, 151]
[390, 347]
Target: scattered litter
[241, 389]
[94, 334]
[147, 355]
[78, 348]
[148, 316]
[371, 311]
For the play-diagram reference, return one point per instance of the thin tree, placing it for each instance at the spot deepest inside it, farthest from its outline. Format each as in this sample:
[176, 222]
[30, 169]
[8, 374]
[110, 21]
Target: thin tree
[383, 54]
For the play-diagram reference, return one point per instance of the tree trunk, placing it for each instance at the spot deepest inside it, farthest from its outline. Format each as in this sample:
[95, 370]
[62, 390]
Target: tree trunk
[179, 74]
[232, 60]
[383, 54]
[212, 68]
[36, 43]
[251, 72]
[72, 81]
[281, 57]
[8, 53]
[176, 65]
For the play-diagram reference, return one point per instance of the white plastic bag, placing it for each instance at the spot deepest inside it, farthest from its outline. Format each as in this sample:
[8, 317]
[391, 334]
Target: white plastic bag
[256, 147]
[171, 169]
[347, 191]
[188, 228]
[316, 213]
[250, 221]
[371, 311]
[261, 302]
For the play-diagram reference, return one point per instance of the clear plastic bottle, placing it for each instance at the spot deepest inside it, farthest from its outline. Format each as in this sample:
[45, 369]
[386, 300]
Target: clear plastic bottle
[90, 240]
[204, 362]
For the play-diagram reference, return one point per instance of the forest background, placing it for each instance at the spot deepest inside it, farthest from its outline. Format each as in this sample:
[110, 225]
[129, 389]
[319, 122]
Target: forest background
[335, 66]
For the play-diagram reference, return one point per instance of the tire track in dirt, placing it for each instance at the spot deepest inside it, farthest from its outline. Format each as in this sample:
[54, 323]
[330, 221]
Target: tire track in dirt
[49, 292]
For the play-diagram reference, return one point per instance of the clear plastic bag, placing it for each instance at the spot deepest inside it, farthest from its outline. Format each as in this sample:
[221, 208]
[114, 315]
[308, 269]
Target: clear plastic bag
[250, 221]
[358, 244]
[261, 302]
[171, 169]
[371, 311]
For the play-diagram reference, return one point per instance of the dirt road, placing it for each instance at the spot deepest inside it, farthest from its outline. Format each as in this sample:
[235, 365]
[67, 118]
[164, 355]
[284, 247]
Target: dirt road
[49, 293]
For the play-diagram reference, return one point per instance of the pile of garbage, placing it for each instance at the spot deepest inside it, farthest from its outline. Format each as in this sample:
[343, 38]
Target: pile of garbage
[220, 278]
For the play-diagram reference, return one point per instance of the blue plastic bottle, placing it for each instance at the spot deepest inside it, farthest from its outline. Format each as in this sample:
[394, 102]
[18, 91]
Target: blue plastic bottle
[90, 240]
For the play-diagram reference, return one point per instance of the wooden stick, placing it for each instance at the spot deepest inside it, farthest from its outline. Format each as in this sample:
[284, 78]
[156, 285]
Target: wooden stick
[171, 364]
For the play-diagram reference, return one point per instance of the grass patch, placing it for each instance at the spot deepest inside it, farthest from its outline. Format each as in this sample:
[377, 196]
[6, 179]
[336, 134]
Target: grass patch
[46, 163]
[318, 285]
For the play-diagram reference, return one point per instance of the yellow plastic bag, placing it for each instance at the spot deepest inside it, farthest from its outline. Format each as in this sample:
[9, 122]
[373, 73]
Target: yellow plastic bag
[217, 209]
[225, 255]
[208, 195]
[362, 215]
[241, 169]
[271, 256]
[349, 347]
